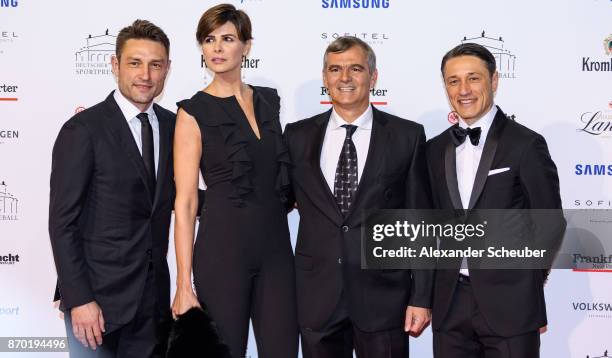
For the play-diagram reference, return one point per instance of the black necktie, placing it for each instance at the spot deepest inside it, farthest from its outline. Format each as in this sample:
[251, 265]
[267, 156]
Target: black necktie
[459, 134]
[148, 156]
[345, 182]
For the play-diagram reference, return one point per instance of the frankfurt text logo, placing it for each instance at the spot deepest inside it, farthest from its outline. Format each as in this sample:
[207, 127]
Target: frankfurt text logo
[9, 204]
[247, 63]
[378, 96]
[9, 3]
[8, 92]
[601, 64]
[585, 262]
[593, 169]
[597, 123]
[8, 135]
[95, 57]
[9, 259]
[505, 59]
[355, 4]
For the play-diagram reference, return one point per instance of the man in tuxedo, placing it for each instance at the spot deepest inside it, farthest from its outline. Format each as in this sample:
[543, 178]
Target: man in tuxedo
[351, 158]
[110, 205]
[487, 161]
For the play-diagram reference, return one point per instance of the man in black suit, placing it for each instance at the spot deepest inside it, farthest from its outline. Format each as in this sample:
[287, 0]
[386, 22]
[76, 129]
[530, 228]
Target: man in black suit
[487, 161]
[348, 159]
[110, 205]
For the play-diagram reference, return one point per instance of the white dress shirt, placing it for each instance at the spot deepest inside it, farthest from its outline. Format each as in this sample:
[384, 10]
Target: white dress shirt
[334, 140]
[468, 158]
[130, 112]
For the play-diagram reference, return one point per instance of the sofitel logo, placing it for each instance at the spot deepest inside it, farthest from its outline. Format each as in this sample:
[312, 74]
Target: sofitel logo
[589, 65]
[94, 58]
[7, 38]
[597, 123]
[8, 204]
[506, 61]
[593, 203]
[371, 38]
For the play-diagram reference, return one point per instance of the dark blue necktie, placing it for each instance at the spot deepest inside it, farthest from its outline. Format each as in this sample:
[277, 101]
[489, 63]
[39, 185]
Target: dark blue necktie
[345, 182]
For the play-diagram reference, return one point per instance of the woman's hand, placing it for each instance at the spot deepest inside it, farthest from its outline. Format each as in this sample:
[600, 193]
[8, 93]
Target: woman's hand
[184, 299]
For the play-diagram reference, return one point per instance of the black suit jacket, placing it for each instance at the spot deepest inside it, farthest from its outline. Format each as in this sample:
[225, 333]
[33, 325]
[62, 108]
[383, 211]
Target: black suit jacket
[512, 301]
[103, 222]
[327, 257]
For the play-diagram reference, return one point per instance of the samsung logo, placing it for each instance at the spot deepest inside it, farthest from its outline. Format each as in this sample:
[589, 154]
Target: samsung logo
[593, 169]
[9, 3]
[355, 4]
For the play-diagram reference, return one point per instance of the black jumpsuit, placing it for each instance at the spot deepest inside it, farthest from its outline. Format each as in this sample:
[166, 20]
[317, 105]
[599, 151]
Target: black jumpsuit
[242, 259]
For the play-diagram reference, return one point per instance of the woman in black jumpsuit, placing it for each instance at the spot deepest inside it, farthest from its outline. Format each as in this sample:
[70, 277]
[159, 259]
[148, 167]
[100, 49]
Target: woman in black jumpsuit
[242, 258]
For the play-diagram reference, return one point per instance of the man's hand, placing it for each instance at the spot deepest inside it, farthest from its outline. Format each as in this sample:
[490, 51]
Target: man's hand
[417, 319]
[88, 324]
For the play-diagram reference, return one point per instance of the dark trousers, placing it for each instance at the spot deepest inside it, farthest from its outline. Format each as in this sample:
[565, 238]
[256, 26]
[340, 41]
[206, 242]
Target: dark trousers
[235, 293]
[465, 333]
[339, 337]
[146, 335]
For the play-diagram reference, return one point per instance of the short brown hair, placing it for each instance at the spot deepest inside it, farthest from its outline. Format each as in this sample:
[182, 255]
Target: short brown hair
[219, 15]
[344, 43]
[141, 30]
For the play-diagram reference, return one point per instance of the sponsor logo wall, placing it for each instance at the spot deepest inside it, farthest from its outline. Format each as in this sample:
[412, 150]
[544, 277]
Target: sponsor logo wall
[55, 62]
[9, 204]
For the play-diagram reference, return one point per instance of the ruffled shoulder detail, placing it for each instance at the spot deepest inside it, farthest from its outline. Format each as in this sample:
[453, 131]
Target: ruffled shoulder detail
[268, 97]
[234, 140]
[267, 104]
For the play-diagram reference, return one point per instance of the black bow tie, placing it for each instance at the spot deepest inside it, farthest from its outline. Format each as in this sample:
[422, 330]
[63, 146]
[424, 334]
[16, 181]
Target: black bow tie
[459, 134]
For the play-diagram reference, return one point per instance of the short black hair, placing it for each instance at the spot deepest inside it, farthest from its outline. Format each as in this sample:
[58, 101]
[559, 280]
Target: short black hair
[471, 49]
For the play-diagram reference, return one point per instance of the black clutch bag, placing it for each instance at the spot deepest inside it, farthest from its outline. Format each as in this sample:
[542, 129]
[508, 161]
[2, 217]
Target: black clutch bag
[194, 335]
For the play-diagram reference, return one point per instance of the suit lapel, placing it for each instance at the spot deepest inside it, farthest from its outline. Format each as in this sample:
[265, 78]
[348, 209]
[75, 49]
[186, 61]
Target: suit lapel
[488, 153]
[165, 142]
[373, 163]
[322, 195]
[121, 132]
[450, 170]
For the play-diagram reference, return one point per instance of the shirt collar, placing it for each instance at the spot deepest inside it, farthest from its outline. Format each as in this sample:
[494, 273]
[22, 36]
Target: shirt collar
[364, 121]
[129, 110]
[484, 123]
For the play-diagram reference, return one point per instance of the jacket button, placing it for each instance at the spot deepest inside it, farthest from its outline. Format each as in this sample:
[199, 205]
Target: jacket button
[345, 228]
[340, 260]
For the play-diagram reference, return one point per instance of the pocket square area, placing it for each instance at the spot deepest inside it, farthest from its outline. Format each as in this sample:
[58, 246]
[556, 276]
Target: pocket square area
[497, 171]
